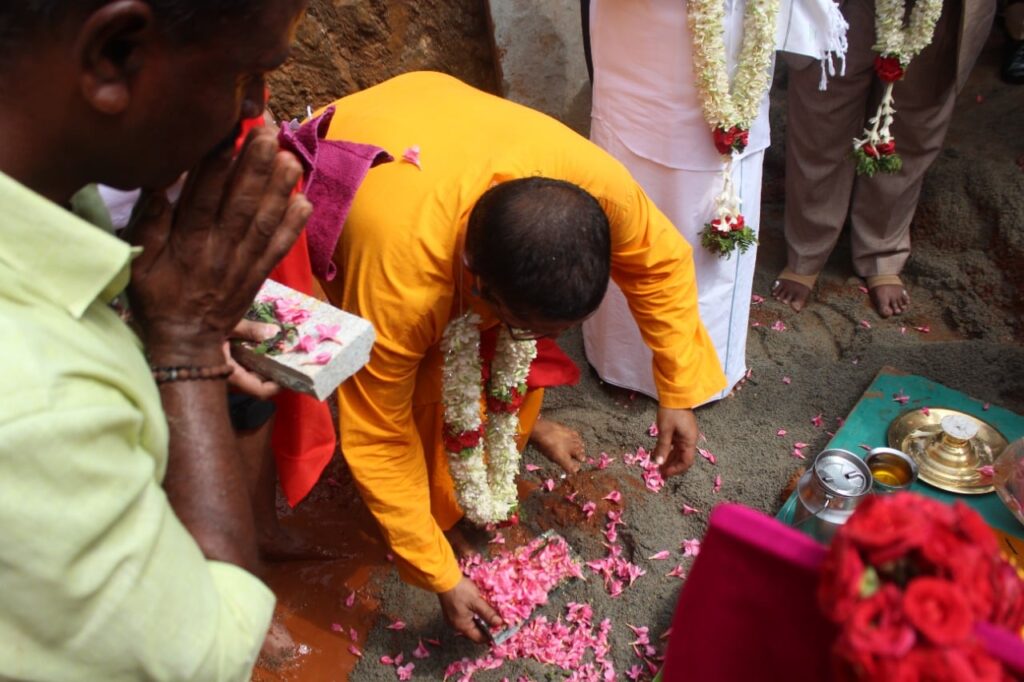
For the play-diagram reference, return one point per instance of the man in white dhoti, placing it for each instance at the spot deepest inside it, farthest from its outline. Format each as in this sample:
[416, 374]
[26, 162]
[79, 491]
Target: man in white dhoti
[647, 113]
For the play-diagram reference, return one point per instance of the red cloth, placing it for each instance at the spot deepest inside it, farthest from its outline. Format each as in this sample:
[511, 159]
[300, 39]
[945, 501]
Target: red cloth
[748, 610]
[303, 438]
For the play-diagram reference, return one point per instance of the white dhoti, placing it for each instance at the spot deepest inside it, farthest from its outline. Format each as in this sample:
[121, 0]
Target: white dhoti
[647, 114]
[611, 338]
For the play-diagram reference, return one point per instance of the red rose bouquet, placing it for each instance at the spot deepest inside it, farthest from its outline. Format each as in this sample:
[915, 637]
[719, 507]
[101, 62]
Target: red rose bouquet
[906, 579]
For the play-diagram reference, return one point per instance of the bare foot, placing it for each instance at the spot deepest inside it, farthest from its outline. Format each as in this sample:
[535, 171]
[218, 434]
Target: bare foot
[278, 648]
[278, 544]
[791, 293]
[559, 443]
[890, 299]
[461, 545]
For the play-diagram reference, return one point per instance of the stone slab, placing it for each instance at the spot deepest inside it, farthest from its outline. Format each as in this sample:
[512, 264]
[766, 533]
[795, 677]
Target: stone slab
[319, 371]
[539, 56]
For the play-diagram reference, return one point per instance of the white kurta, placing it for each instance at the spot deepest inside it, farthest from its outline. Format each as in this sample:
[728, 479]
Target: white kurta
[647, 114]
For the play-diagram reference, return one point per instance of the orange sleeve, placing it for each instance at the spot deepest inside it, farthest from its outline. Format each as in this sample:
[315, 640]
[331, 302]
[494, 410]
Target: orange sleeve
[653, 265]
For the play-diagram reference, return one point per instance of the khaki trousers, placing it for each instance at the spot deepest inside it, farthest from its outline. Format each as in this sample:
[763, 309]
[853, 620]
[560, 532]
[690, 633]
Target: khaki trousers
[822, 189]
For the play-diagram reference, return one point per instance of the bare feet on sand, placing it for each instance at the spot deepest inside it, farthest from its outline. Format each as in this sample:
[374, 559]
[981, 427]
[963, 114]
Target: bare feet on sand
[791, 293]
[559, 443]
[461, 545]
[889, 299]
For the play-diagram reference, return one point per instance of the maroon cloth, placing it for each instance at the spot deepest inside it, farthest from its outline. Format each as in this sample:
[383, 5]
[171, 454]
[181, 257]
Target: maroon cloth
[551, 367]
[333, 172]
[748, 610]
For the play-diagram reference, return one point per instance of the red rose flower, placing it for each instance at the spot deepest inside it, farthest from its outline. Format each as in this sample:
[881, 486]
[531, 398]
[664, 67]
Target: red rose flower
[869, 149]
[974, 528]
[738, 223]
[510, 406]
[457, 442]
[742, 140]
[944, 551]
[986, 668]
[724, 139]
[933, 665]
[877, 625]
[886, 148]
[1008, 597]
[973, 576]
[938, 610]
[841, 575]
[888, 69]
[882, 526]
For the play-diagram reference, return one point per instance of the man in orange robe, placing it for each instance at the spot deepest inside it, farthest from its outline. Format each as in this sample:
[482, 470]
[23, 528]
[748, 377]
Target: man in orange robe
[403, 265]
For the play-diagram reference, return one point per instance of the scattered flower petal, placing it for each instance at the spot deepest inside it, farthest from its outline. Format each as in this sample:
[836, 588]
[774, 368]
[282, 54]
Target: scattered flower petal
[690, 547]
[652, 430]
[986, 406]
[549, 485]
[397, 625]
[799, 445]
[328, 332]
[355, 651]
[412, 155]
[926, 411]
[987, 471]
[336, 627]
[353, 634]
[677, 572]
[351, 599]
[688, 510]
[717, 485]
[903, 331]
[304, 345]
[866, 447]
[779, 326]
[900, 397]
[659, 556]
[865, 324]
[781, 432]
[924, 329]
[387, 660]
[420, 651]
[756, 299]
[532, 467]
[405, 671]
[604, 460]
[708, 455]
[818, 420]
[588, 509]
[863, 289]
[787, 380]
[498, 539]
[614, 496]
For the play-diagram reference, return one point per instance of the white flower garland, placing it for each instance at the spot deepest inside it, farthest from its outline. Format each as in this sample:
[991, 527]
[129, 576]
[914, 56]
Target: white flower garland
[486, 491]
[896, 45]
[730, 109]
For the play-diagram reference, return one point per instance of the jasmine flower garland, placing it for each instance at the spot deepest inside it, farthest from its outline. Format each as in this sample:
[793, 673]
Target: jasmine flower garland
[730, 108]
[486, 491]
[896, 45]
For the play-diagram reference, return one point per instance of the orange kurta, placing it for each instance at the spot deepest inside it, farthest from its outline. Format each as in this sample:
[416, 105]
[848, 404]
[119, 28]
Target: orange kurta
[400, 266]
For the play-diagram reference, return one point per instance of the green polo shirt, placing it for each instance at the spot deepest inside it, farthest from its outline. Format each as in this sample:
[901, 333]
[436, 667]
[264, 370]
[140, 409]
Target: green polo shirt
[98, 578]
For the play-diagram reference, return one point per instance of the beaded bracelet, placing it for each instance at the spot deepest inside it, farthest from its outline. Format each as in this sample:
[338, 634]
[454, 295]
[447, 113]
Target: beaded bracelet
[164, 375]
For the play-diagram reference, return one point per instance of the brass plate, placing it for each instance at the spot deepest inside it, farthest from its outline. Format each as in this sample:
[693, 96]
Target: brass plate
[913, 431]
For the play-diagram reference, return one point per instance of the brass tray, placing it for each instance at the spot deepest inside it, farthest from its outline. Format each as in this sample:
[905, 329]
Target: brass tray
[944, 461]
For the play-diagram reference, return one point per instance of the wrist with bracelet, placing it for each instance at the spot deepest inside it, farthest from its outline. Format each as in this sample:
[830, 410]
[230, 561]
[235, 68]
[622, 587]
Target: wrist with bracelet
[168, 374]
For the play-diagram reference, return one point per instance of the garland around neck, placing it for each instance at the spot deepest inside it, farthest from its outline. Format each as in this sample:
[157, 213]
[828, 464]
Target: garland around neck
[730, 108]
[486, 490]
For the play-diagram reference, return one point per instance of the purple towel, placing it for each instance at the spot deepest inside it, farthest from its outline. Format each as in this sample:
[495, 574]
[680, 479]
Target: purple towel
[334, 171]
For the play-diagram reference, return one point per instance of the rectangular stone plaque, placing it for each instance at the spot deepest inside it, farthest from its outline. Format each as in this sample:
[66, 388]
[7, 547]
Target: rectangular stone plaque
[328, 346]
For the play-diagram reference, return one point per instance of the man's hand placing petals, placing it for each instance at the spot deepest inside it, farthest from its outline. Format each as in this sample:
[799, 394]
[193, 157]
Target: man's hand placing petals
[677, 441]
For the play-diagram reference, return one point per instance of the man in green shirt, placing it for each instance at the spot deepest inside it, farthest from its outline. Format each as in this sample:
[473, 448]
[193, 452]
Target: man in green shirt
[126, 539]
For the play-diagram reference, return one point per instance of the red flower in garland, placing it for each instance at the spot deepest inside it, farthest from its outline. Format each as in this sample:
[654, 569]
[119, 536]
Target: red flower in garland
[457, 442]
[889, 69]
[509, 406]
[886, 148]
[870, 150]
[938, 610]
[735, 139]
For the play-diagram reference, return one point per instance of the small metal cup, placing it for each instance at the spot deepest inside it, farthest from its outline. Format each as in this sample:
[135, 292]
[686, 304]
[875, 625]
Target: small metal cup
[892, 470]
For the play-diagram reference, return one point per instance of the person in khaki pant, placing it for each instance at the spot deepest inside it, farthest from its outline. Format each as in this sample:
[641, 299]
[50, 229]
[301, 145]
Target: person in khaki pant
[821, 186]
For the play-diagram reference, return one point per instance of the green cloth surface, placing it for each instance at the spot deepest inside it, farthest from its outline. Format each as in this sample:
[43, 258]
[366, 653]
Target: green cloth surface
[869, 422]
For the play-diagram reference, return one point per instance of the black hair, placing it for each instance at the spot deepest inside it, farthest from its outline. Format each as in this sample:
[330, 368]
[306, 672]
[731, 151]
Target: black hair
[542, 247]
[184, 20]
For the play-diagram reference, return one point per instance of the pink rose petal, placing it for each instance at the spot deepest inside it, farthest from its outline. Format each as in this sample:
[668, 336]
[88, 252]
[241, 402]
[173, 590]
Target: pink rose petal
[818, 420]
[787, 380]
[781, 432]
[549, 485]
[756, 299]
[717, 485]
[798, 454]
[355, 651]
[588, 509]
[652, 430]
[677, 572]
[799, 445]
[614, 496]
[351, 599]
[386, 660]
[412, 155]
[865, 324]
[659, 556]
[328, 332]
[421, 651]
[320, 359]
[397, 625]
[532, 467]
[779, 326]
[690, 547]
[987, 471]
[900, 397]
[924, 329]
[305, 344]
[604, 460]
[708, 455]
[405, 671]
[688, 510]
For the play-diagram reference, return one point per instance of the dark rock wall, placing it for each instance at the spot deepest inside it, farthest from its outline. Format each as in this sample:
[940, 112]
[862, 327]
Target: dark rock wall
[344, 46]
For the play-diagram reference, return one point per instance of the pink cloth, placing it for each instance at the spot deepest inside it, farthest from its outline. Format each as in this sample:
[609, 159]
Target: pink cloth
[748, 610]
[334, 171]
